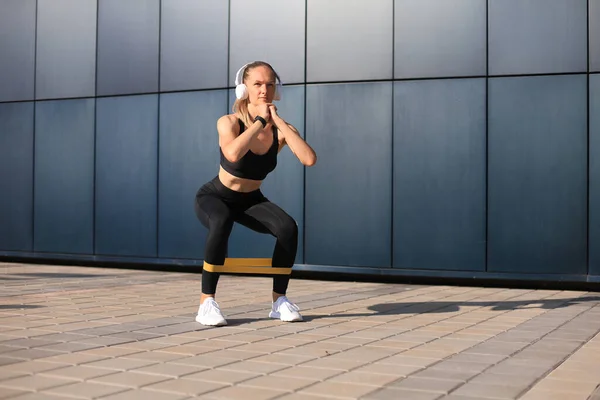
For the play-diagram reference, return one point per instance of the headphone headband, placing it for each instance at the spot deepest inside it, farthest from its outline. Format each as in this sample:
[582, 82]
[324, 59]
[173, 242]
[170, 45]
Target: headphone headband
[241, 90]
[240, 74]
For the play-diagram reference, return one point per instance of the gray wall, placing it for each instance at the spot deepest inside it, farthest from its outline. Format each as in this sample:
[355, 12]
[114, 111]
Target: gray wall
[453, 136]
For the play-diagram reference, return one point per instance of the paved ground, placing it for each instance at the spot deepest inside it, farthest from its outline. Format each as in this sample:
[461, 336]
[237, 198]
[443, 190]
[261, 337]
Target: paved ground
[68, 332]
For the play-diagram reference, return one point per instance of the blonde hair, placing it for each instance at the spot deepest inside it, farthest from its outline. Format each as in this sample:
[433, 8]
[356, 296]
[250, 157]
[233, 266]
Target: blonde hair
[240, 107]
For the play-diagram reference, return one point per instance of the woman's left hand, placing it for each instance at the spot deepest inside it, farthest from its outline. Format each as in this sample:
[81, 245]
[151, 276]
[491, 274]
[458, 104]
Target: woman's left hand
[292, 138]
[276, 118]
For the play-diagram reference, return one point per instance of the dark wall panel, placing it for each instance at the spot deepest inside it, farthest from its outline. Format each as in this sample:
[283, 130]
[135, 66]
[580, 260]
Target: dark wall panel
[193, 44]
[537, 218]
[537, 36]
[435, 38]
[66, 49]
[17, 49]
[594, 35]
[439, 174]
[64, 176]
[127, 46]
[349, 40]
[188, 158]
[348, 191]
[284, 186]
[126, 181]
[16, 176]
[594, 175]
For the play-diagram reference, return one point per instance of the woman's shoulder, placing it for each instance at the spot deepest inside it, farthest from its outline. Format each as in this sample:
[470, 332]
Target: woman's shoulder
[229, 118]
[228, 122]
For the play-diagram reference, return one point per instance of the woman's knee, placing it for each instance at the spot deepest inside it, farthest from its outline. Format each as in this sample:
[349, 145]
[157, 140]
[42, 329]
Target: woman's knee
[288, 230]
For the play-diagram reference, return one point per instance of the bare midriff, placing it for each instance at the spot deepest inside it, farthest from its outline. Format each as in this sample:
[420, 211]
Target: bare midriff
[238, 184]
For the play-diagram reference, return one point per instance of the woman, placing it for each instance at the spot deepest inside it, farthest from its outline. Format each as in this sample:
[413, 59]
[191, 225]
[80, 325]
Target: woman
[249, 141]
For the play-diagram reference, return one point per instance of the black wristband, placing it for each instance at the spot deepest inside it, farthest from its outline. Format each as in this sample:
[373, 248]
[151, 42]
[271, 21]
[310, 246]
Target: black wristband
[261, 119]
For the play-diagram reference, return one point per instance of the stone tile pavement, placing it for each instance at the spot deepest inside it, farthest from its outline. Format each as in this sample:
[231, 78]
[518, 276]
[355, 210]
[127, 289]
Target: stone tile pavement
[115, 334]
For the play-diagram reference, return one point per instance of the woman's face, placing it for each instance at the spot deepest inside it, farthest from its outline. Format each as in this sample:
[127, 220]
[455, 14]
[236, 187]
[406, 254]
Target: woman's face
[261, 85]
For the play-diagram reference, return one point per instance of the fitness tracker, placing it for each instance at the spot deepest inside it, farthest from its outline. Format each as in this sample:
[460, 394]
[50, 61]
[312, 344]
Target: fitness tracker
[261, 119]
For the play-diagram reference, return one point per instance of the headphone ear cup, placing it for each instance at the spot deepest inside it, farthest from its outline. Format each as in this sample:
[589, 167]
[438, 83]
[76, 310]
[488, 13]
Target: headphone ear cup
[241, 92]
[277, 95]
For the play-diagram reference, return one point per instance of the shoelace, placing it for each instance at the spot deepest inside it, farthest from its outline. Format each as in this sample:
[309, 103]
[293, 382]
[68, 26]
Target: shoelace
[289, 305]
[212, 307]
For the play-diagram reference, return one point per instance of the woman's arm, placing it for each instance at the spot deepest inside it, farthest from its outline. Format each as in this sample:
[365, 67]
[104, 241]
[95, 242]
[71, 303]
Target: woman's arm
[233, 145]
[292, 138]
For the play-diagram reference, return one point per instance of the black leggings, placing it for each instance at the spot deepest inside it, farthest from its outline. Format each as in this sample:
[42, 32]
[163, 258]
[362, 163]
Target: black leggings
[218, 207]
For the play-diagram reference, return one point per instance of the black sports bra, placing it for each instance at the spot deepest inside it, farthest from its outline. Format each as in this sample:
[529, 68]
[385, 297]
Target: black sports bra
[252, 166]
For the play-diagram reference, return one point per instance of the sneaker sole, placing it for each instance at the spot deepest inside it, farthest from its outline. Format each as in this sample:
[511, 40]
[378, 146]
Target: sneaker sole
[277, 316]
[219, 323]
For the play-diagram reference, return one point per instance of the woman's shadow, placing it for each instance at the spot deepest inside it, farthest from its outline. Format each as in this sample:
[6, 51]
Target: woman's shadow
[453, 306]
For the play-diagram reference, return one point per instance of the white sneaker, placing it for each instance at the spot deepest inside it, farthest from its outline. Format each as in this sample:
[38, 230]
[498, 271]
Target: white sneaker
[285, 310]
[210, 314]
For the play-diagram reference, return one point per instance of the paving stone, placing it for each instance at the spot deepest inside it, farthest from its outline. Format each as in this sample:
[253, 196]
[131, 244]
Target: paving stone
[595, 394]
[497, 379]
[333, 363]
[133, 335]
[289, 384]
[34, 383]
[5, 393]
[129, 379]
[401, 359]
[35, 366]
[70, 347]
[105, 330]
[565, 373]
[427, 384]
[546, 395]
[396, 394]
[145, 395]
[286, 359]
[205, 360]
[170, 370]
[186, 350]
[86, 390]
[185, 387]
[303, 396]
[6, 373]
[448, 374]
[79, 372]
[74, 358]
[154, 356]
[26, 343]
[253, 366]
[558, 385]
[30, 354]
[364, 378]
[223, 376]
[487, 359]
[489, 390]
[112, 351]
[63, 337]
[458, 366]
[527, 369]
[308, 373]
[339, 389]
[120, 364]
[99, 341]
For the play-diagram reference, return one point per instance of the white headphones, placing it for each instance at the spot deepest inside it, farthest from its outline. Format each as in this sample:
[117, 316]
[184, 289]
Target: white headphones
[241, 91]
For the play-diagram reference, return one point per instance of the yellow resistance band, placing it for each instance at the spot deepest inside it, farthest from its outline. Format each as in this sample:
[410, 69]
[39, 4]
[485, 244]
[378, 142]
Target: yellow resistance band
[261, 266]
